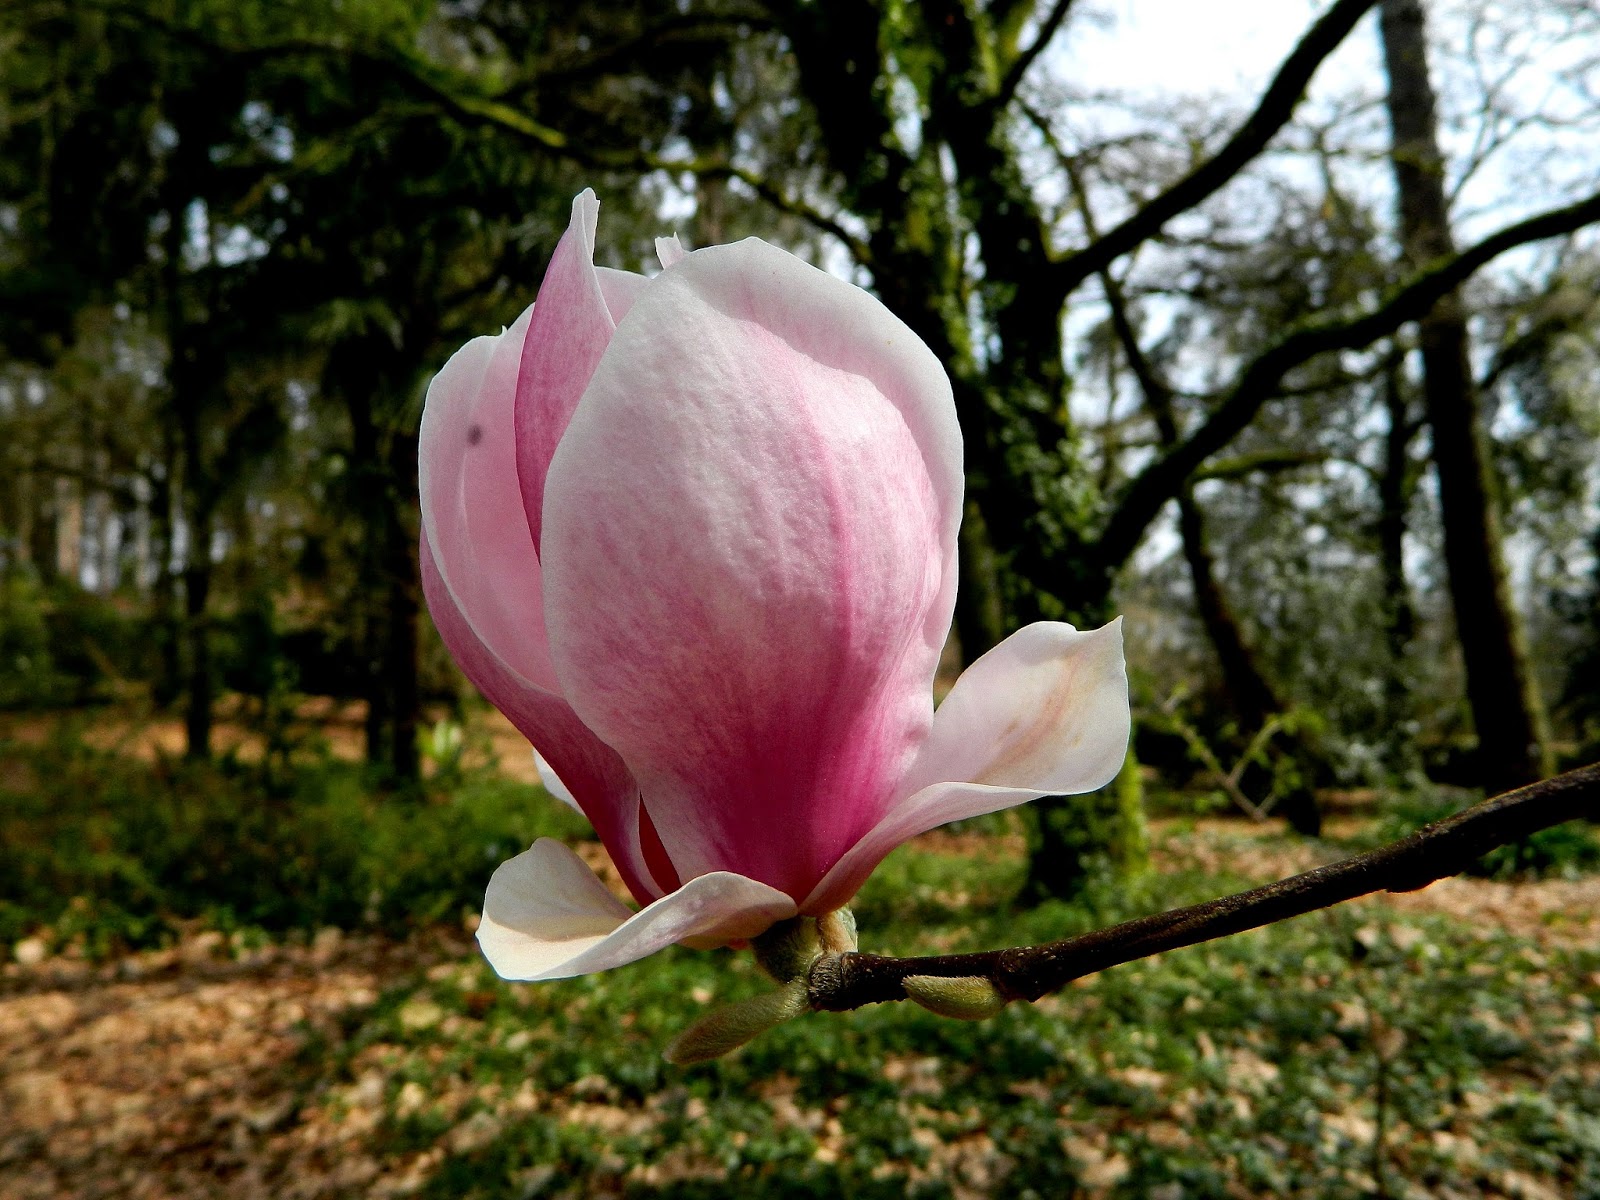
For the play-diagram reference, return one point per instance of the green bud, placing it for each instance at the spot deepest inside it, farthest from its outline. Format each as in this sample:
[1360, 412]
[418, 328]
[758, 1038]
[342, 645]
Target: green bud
[968, 998]
[715, 1034]
[787, 950]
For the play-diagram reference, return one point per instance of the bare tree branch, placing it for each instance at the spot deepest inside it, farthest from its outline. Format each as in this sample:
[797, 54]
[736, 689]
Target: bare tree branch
[859, 249]
[679, 29]
[482, 110]
[1533, 341]
[1276, 106]
[1260, 462]
[844, 981]
[1019, 68]
[1260, 380]
[487, 111]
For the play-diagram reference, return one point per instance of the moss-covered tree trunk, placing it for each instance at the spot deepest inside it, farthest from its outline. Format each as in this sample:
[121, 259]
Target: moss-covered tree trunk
[1026, 506]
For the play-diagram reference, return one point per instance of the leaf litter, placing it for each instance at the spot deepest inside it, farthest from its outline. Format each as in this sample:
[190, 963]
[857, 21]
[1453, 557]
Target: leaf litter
[357, 1065]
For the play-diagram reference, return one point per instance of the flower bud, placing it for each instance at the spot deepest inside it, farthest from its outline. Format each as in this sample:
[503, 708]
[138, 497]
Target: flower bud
[696, 536]
[967, 998]
[728, 1028]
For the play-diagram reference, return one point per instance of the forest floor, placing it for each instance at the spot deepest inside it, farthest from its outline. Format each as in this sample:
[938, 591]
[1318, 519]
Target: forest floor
[320, 723]
[357, 1065]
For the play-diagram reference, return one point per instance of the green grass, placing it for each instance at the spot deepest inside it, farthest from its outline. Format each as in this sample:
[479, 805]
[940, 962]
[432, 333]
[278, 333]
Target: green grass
[110, 854]
[1250, 1066]
[1561, 852]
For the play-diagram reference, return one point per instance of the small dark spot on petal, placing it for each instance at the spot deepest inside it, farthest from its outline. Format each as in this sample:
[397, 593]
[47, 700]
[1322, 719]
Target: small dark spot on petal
[474, 435]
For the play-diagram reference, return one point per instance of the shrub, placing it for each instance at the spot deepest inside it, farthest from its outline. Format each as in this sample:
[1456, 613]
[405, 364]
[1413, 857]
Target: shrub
[111, 852]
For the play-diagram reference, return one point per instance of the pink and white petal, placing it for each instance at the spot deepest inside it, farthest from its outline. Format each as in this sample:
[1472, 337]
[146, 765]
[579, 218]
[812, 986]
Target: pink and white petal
[471, 502]
[750, 558]
[928, 809]
[1044, 713]
[670, 251]
[599, 781]
[546, 916]
[1045, 709]
[620, 289]
[571, 327]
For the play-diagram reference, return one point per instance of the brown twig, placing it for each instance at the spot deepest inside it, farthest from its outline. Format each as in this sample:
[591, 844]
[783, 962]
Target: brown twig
[844, 981]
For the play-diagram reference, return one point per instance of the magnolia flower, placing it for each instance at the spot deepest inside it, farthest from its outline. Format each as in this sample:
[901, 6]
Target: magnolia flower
[695, 535]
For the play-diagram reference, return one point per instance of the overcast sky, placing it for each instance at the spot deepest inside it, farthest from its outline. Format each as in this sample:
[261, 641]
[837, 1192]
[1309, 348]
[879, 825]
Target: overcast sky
[1162, 46]
[1158, 49]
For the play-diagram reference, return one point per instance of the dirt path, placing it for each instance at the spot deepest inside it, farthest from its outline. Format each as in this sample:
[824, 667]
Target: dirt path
[179, 1073]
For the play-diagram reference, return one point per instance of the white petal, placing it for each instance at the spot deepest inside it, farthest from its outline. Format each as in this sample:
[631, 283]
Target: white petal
[551, 782]
[547, 916]
[1043, 713]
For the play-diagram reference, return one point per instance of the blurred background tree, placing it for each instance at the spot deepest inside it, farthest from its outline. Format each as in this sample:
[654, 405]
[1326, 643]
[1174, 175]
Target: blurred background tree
[1305, 383]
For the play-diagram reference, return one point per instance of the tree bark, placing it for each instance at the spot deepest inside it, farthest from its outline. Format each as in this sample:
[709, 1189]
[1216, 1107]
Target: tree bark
[980, 616]
[402, 568]
[1505, 707]
[188, 381]
[197, 634]
[1254, 699]
[69, 530]
[364, 372]
[367, 500]
[1395, 488]
[28, 524]
[164, 621]
[194, 370]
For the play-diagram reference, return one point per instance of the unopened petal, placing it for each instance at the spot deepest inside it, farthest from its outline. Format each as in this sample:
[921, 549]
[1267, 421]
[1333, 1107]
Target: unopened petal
[546, 916]
[571, 327]
[599, 782]
[750, 558]
[1043, 713]
[471, 503]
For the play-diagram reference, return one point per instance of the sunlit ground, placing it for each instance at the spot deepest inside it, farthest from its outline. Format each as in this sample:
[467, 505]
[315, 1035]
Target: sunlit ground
[1443, 1043]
